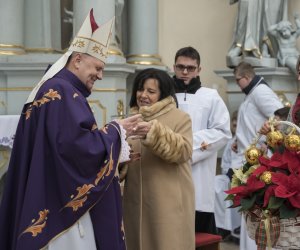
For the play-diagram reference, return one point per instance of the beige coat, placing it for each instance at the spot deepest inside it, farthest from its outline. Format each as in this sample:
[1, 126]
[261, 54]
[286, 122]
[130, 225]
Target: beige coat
[159, 202]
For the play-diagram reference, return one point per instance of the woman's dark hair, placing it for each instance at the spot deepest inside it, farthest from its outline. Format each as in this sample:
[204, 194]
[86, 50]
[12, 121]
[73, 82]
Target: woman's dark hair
[165, 84]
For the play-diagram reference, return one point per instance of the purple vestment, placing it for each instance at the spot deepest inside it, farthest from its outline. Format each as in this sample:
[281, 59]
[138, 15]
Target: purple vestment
[61, 167]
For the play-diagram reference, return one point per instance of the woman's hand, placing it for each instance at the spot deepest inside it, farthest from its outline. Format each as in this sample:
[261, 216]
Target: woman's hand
[141, 130]
[130, 123]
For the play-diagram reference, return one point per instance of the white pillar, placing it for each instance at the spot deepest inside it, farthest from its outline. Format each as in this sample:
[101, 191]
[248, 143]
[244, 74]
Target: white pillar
[104, 10]
[43, 26]
[11, 36]
[143, 37]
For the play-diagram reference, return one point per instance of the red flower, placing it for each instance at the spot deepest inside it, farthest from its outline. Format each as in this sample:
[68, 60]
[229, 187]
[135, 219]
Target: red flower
[292, 160]
[276, 161]
[269, 192]
[284, 169]
[253, 184]
[288, 187]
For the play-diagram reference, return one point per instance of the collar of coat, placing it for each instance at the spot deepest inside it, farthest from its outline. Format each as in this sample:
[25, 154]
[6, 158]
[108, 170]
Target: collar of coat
[254, 82]
[191, 88]
[157, 109]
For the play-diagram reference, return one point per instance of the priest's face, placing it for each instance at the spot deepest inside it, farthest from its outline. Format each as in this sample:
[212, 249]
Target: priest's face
[149, 93]
[89, 69]
[186, 69]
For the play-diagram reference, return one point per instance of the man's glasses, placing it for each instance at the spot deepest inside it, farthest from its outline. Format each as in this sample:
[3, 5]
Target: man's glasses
[189, 68]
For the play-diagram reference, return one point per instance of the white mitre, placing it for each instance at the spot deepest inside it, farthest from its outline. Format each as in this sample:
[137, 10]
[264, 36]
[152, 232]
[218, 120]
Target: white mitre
[90, 39]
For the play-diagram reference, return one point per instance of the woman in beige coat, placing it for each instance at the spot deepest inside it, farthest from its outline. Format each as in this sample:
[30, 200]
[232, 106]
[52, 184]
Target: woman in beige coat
[159, 204]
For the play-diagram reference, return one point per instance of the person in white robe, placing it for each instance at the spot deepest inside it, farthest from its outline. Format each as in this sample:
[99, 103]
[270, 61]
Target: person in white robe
[227, 219]
[211, 131]
[259, 104]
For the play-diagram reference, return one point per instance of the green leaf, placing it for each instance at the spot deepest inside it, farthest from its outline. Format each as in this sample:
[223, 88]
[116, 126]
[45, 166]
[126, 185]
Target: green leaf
[261, 192]
[286, 212]
[248, 203]
[275, 202]
[229, 197]
[241, 210]
[260, 197]
[246, 167]
[232, 206]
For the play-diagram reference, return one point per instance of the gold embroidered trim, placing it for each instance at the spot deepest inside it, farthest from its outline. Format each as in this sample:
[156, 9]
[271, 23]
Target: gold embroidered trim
[80, 198]
[111, 162]
[51, 95]
[107, 168]
[37, 226]
[101, 174]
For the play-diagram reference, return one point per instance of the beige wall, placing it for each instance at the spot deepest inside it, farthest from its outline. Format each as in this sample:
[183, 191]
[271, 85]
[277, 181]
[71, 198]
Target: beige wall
[206, 25]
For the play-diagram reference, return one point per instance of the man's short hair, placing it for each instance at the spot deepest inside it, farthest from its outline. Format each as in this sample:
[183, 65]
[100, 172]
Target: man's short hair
[188, 52]
[244, 69]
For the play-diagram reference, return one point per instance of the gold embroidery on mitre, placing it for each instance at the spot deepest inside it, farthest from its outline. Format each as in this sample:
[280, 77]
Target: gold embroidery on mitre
[98, 49]
[37, 226]
[80, 198]
[94, 42]
[78, 43]
[75, 95]
[51, 95]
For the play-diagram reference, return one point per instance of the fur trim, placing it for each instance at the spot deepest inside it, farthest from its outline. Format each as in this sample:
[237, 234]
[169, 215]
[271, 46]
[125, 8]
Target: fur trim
[157, 109]
[162, 141]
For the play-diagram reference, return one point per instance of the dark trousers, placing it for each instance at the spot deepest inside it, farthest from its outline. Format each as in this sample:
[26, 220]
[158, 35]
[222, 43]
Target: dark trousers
[205, 223]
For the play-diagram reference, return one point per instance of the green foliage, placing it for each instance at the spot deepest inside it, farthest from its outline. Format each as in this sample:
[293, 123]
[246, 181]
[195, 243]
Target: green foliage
[247, 204]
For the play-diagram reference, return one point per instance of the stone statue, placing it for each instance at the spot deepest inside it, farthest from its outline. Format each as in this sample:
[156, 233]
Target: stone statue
[251, 30]
[286, 38]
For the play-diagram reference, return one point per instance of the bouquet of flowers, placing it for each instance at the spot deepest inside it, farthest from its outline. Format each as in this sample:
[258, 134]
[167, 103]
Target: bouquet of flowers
[268, 188]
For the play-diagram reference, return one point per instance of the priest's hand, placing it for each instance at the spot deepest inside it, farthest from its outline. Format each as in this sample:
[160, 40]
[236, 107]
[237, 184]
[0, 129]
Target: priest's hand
[130, 123]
